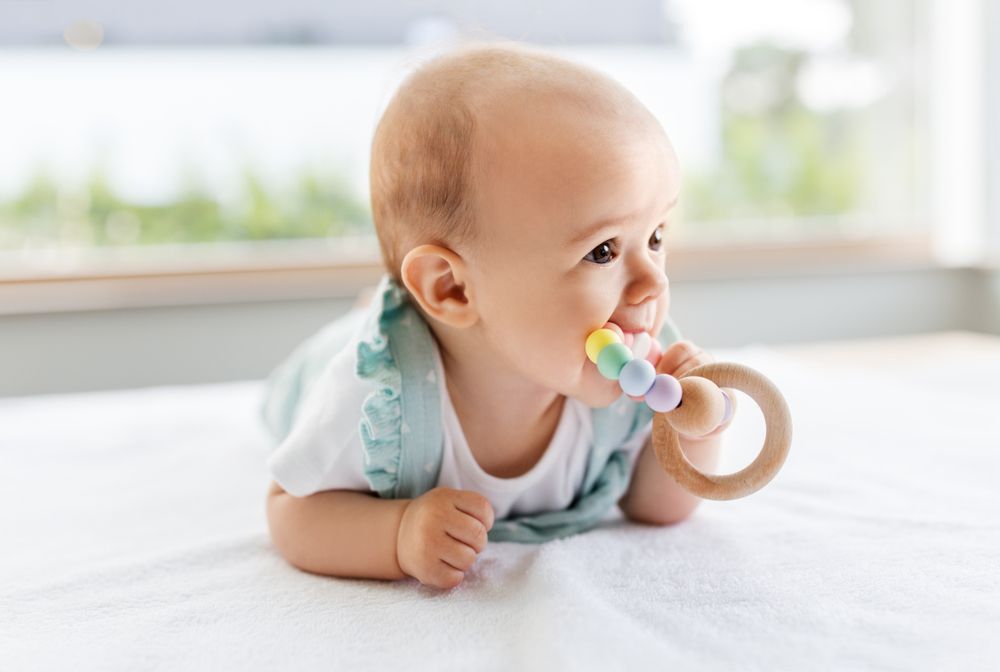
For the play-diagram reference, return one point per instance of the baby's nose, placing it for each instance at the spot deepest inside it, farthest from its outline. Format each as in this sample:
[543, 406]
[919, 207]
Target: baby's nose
[648, 284]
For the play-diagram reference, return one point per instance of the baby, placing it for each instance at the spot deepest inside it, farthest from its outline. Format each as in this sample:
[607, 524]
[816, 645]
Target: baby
[521, 201]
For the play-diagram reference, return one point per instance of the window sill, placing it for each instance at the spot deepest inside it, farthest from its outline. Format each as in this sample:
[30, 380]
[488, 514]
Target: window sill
[194, 275]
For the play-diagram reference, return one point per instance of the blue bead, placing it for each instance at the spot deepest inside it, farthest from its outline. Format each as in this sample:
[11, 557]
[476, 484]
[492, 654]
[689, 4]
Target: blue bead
[636, 377]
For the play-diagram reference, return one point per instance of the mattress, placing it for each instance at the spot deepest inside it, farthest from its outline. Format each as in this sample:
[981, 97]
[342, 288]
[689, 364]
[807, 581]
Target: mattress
[134, 537]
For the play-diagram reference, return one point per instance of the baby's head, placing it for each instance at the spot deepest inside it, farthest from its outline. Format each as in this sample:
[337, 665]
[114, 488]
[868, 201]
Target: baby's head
[522, 200]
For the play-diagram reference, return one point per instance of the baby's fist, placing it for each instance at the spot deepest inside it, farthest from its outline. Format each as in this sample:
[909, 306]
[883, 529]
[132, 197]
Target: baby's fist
[441, 533]
[681, 357]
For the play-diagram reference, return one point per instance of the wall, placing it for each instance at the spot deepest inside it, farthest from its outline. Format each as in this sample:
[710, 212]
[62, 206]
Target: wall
[65, 352]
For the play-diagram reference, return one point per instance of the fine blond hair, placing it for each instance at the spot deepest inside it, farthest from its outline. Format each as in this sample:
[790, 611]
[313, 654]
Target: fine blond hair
[424, 168]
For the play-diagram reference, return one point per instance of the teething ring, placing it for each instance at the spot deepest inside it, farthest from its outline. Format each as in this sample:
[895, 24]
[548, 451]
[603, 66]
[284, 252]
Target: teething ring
[777, 437]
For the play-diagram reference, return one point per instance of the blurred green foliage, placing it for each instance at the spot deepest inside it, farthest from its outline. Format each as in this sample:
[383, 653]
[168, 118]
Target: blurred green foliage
[779, 158]
[45, 213]
[781, 162]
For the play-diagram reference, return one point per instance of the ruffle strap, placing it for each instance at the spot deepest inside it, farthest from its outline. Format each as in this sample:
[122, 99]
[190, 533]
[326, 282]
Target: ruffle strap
[403, 438]
[402, 456]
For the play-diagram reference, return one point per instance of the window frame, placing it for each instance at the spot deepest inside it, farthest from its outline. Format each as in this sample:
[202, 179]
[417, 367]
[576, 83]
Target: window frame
[287, 270]
[266, 272]
[991, 132]
[958, 59]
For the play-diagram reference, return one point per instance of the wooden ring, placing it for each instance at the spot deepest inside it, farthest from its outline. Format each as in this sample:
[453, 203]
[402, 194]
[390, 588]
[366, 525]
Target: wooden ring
[757, 474]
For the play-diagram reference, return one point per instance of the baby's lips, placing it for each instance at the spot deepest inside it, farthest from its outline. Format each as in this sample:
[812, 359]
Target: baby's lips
[615, 328]
[627, 338]
[654, 351]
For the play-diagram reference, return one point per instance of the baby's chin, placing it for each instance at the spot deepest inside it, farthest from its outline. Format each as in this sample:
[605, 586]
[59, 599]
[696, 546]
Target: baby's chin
[597, 391]
[603, 402]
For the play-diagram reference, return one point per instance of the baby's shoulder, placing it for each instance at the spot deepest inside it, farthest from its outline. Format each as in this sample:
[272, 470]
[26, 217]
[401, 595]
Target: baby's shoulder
[322, 365]
[339, 378]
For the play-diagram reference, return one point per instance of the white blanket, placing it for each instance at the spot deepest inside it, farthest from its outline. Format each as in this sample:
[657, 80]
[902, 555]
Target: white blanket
[133, 537]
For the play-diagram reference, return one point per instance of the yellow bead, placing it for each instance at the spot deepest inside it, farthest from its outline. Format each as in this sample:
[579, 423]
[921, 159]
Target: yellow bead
[598, 340]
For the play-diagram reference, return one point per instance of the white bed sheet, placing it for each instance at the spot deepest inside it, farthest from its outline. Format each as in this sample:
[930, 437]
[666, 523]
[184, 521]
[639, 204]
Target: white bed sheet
[133, 537]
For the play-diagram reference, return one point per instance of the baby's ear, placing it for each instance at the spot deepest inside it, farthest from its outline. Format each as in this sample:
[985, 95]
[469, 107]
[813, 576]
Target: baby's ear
[436, 279]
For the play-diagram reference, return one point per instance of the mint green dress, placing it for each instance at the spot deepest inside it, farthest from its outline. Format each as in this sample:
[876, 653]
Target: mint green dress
[395, 351]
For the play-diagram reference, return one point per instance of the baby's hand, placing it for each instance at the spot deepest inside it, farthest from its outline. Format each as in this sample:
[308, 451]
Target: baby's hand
[441, 533]
[681, 357]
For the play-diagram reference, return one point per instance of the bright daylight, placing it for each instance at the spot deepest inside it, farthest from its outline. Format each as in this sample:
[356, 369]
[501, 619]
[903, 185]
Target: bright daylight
[527, 335]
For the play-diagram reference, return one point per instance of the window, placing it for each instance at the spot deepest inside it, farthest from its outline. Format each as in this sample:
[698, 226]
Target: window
[240, 123]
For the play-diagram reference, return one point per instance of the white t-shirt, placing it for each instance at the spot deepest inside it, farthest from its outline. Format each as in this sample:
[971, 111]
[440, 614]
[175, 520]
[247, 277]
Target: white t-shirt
[323, 450]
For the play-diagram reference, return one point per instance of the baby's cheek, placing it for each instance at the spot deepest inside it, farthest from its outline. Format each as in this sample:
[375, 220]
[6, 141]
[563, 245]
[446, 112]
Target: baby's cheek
[538, 347]
[557, 357]
[662, 310]
[565, 351]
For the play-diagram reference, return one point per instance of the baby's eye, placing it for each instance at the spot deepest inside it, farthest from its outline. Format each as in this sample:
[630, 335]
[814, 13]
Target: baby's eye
[656, 240]
[603, 253]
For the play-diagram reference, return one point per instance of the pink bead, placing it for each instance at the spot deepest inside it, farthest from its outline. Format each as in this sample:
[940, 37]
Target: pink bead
[653, 356]
[665, 394]
[629, 339]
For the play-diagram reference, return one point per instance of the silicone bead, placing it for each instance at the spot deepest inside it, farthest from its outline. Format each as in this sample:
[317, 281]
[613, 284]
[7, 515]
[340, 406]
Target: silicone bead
[655, 351]
[640, 345]
[629, 338]
[636, 377]
[612, 358]
[597, 340]
[665, 394]
[729, 408]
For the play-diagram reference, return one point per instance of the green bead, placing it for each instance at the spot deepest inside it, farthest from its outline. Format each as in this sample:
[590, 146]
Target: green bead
[612, 358]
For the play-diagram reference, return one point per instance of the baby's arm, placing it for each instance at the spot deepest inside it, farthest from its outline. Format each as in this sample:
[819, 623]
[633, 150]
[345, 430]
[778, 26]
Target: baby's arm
[434, 538]
[337, 532]
[653, 496]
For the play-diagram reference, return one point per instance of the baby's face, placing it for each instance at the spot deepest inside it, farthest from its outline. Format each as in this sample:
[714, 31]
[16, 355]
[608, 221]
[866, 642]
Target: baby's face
[572, 224]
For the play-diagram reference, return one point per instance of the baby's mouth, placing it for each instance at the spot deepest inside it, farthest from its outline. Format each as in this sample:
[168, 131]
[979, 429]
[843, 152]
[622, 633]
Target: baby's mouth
[630, 326]
[637, 339]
